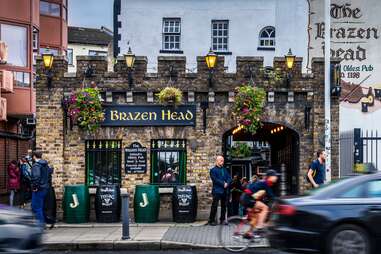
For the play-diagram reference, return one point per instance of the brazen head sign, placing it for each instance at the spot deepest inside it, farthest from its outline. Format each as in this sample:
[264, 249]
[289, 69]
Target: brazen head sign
[149, 115]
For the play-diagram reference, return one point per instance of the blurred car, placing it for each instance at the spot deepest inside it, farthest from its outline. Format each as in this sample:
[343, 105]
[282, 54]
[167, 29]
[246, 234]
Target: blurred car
[343, 217]
[19, 232]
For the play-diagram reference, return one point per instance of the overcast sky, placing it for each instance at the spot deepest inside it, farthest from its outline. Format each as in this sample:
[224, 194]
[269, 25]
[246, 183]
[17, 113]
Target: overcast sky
[91, 13]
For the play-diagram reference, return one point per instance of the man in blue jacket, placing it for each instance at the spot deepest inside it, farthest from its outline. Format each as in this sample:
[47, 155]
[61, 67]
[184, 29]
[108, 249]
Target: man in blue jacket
[221, 181]
[41, 180]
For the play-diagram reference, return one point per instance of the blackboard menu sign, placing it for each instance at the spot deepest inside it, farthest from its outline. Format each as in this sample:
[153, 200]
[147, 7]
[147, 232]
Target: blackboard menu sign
[136, 159]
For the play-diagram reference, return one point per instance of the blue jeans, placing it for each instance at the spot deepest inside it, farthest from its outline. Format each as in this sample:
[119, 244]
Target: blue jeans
[38, 200]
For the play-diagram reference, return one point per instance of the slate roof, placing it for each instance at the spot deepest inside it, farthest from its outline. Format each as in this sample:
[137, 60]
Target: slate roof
[92, 36]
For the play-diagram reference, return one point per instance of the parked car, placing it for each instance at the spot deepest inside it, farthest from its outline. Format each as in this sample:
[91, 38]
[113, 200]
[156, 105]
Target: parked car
[343, 217]
[19, 232]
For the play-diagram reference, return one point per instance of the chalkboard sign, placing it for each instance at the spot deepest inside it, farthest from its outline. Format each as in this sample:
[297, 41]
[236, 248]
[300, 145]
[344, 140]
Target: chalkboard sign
[136, 159]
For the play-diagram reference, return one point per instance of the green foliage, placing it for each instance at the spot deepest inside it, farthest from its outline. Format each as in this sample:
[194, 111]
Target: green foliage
[241, 150]
[170, 95]
[85, 106]
[248, 106]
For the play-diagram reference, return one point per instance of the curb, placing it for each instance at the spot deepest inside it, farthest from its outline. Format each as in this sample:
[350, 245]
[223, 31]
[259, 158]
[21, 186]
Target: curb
[130, 245]
[125, 245]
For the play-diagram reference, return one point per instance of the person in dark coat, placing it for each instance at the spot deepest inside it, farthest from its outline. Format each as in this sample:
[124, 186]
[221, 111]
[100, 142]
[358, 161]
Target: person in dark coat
[13, 181]
[221, 180]
[236, 191]
[40, 185]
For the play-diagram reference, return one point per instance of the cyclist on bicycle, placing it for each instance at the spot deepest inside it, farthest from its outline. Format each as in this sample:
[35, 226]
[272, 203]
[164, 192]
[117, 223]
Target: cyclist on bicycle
[251, 199]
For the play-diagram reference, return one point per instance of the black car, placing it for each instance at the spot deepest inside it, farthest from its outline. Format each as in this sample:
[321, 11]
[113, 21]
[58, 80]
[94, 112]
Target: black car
[343, 217]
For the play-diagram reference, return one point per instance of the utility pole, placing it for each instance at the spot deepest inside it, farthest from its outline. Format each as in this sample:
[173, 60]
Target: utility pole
[327, 88]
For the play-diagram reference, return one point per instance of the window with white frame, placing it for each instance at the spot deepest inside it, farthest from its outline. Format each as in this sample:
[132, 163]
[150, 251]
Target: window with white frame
[220, 35]
[69, 56]
[16, 38]
[267, 37]
[171, 33]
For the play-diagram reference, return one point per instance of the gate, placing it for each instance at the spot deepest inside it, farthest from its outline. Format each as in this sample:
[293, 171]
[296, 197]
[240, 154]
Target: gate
[346, 153]
[367, 145]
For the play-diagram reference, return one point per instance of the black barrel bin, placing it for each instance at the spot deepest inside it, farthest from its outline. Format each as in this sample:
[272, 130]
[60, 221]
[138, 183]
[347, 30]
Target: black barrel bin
[184, 204]
[107, 203]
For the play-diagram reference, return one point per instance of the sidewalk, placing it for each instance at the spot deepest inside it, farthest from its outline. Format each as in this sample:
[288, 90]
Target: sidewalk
[157, 236]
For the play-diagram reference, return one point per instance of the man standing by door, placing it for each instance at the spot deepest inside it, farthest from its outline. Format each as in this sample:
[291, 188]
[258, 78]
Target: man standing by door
[221, 181]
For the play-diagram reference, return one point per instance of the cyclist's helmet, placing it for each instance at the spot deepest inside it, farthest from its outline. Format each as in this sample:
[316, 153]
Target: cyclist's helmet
[271, 172]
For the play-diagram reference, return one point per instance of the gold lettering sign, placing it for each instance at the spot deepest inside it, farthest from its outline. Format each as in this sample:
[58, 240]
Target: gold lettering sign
[150, 115]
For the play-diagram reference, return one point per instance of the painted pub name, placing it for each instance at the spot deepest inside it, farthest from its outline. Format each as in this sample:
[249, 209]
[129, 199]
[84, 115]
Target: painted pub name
[165, 115]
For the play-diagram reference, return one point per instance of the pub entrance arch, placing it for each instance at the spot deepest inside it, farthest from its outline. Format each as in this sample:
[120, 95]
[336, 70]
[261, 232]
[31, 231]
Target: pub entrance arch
[274, 146]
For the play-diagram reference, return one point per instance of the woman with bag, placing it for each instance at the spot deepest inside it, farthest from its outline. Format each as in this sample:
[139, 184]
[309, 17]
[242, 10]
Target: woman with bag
[13, 181]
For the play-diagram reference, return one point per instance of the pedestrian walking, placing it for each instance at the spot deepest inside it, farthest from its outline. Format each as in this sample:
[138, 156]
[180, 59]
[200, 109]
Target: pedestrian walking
[221, 180]
[41, 174]
[13, 181]
[316, 171]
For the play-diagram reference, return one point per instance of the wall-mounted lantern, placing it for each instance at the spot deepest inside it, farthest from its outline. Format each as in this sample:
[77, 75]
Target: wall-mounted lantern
[48, 59]
[211, 60]
[335, 79]
[130, 62]
[290, 61]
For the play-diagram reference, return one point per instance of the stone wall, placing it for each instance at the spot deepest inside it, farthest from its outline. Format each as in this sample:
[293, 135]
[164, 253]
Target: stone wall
[65, 149]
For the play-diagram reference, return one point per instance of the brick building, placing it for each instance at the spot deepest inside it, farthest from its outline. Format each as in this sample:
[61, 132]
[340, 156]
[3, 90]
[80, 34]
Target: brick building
[297, 111]
[26, 28]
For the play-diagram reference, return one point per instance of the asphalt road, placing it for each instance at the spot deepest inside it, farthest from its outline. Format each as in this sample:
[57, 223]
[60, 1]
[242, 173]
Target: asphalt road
[252, 251]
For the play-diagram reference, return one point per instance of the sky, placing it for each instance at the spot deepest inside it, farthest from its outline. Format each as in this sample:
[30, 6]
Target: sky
[91, 13]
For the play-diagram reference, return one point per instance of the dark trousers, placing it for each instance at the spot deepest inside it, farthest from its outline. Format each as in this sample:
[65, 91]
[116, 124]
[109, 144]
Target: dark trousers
[213, 211]
[38, 199]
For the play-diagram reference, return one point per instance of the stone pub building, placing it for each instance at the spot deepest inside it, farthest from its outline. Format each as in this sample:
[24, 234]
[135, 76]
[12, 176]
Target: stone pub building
[183, 140]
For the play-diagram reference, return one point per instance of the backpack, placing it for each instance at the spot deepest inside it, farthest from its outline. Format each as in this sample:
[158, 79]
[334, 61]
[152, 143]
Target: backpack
[313, 174]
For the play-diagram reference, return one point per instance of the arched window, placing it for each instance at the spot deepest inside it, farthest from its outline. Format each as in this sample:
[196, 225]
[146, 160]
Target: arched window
[267, 37]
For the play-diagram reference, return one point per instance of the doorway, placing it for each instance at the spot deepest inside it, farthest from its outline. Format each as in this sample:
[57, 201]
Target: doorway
[273, 146]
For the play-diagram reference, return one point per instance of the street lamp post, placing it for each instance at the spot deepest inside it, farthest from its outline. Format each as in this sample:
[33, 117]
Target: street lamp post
[327, 92]
[48, 59]
[290, 60]
[130, 61]
[211, 60]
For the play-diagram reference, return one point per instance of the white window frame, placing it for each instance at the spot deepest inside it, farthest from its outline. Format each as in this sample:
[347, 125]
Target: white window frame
[268, 41]
[97, 53]
[171, 40]
[220, 35]
[69, 56]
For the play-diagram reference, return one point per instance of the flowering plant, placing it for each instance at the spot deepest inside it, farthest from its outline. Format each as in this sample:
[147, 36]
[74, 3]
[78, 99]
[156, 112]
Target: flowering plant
[170, 95]
[248, 106]
[85, 107]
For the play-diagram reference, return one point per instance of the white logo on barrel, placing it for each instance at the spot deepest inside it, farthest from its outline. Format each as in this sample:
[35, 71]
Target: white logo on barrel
[145, 200]
[75, 201]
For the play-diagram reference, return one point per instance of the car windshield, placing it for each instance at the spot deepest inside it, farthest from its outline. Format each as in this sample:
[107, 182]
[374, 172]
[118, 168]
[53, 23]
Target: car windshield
[325, 189]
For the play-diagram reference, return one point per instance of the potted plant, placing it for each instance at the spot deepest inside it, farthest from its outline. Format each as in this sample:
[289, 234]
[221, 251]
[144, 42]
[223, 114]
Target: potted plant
[170, 96]
[84, 107]
[248, 107]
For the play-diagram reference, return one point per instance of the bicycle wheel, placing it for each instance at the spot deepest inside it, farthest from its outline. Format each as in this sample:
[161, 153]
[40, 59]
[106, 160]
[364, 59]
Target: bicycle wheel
[230, 236]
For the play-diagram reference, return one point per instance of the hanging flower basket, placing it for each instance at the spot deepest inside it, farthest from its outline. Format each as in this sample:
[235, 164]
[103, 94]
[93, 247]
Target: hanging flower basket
[84, 107]
[248, 107]
[170, 96]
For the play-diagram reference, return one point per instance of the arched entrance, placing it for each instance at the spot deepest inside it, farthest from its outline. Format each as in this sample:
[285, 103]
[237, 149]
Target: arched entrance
[274, 146]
